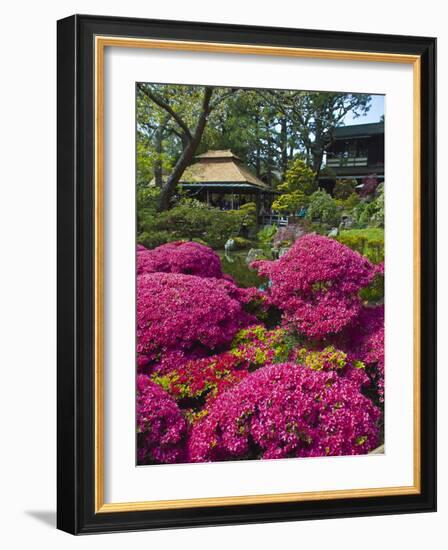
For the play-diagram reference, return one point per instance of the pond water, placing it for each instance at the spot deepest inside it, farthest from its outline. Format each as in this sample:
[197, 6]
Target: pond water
[234, 263]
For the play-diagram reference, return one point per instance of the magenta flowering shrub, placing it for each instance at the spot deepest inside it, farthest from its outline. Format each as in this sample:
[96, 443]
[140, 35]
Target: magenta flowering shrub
[369, 185]
[199, 382]
[161, 427]
[333, 359]
[380, 268]
[316, 285]
[286, 410]
[183, 315]
[236, 373]
[366, 343]
[186, 257]
[195, 383]
[257, 346]
[170, 360]
[252, 298]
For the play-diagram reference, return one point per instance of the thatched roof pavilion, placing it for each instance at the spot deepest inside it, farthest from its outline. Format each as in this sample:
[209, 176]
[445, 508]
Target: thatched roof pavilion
[220, 179]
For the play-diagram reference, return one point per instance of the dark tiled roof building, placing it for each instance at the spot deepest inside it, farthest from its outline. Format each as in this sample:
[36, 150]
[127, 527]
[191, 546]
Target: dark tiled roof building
[357, 151]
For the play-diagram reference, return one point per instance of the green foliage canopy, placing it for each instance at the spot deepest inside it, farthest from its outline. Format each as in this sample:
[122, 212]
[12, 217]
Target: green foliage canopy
[323, 208]
[344, 188]
[299, 184]
[370, 213]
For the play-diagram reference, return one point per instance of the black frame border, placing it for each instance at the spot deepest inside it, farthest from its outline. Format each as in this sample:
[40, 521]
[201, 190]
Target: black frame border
[76, 262]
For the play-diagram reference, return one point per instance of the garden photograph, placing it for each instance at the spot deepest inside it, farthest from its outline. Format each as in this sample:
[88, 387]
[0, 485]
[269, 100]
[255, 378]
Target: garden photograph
[259, 274]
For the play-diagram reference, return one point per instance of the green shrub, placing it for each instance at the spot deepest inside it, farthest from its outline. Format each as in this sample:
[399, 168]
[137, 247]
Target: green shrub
[247, 214]
[374, 293]
[290, 202]
[363, 213]
[377, 219]
[323, 208]
[147, 198]
[184, 222]
[350, 202]
[266, 234]
[300, 182]
[241, 243]
[344, 188]
[153, 239]
[299, 177]
[368, 242]
[371, 213]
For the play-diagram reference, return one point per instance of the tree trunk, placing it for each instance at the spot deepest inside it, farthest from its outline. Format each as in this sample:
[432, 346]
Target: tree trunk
[284, 145]
[257, 138]
[158, 175]
[268, 152]
[169, 188]
[318, 156]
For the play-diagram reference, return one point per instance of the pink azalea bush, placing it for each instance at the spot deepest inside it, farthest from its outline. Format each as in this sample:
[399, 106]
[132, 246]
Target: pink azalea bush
[185, 314]
[186, 257]
[216, 383]
[316, 285]
[253, 300]
[195, 382]
[366, 342]
[199, 382]
[286, 410]
[161, 427]
[333, 359]
[257, 346]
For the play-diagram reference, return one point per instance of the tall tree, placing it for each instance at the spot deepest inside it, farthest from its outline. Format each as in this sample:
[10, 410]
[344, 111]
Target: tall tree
[188, 112]
[267, 129]
[315, 115]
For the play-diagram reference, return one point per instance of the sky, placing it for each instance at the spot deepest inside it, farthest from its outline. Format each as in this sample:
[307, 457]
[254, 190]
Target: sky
[374, 115]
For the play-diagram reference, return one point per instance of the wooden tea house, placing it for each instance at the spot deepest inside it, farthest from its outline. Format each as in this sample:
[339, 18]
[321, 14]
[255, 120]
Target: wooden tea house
[220, 179]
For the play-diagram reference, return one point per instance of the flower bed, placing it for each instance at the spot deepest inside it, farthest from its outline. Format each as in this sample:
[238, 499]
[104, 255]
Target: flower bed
[223, 379]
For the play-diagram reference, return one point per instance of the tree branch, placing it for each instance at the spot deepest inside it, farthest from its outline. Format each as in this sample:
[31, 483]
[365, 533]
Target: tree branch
[163, 105]
[184, 160]
[222, 98]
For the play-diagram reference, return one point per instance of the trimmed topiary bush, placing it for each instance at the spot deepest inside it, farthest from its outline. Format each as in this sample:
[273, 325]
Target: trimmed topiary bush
[191, 222]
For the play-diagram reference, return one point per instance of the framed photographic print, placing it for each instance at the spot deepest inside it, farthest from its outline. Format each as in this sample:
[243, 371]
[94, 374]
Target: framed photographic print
[246, 274]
